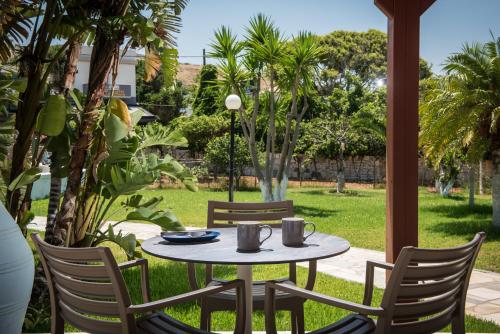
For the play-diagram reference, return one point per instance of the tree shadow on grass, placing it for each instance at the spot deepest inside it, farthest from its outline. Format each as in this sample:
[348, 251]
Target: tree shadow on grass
[333, 193]
[310, 211]
[456, 197]
[483, 211]
[468, 221]
[468, 228]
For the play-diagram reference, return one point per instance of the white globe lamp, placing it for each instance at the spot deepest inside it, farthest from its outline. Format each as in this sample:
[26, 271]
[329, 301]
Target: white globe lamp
[233, 102]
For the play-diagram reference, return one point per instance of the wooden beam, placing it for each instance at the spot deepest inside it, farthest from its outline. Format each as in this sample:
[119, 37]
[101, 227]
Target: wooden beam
[386, 6]
[425, 4]
[402, 122]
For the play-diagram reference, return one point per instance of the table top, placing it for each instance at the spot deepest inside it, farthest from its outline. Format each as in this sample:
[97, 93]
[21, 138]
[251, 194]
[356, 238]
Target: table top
[223, 249]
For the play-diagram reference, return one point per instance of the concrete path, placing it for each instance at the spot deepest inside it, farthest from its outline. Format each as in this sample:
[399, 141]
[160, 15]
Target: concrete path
[483, 297]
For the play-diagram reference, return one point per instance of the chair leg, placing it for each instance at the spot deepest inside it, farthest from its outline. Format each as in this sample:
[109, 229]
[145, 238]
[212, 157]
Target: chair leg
[300, 319]
[458, 325]
[205, 317]
[293, 320]
[57, 324]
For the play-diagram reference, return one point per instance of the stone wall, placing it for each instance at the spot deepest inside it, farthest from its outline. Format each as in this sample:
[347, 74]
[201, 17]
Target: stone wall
[363, 170]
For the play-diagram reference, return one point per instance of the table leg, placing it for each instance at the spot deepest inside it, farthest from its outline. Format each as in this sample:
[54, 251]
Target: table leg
[245, 273]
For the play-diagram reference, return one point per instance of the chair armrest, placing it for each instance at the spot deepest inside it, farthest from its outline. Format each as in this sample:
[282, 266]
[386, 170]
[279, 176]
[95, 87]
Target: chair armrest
[132, 263]
[270, 309]
[369, 278]
[324, 299]
[143, 266]
[186, 297]
[383, 265]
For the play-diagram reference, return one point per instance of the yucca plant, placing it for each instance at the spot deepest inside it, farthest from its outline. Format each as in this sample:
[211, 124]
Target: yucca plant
[288, 67]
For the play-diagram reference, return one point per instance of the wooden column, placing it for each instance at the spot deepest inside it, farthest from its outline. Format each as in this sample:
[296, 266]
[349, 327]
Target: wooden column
[402, 122]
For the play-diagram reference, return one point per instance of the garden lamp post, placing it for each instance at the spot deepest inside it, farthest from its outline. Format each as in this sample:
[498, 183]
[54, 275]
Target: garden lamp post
[233, 103]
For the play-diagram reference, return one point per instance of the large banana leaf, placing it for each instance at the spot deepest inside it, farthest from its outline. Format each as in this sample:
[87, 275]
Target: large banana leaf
[135, 201]
[126, 181]
[117, 121]
[127, 242]
[155, 134]
[123, 151]
[6, 137]
[163, 218]
[59, 147]
[27, 177]
[173, 169]
[52, 118]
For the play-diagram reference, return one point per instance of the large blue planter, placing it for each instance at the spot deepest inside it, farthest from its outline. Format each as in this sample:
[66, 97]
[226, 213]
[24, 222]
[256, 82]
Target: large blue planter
[17, 270]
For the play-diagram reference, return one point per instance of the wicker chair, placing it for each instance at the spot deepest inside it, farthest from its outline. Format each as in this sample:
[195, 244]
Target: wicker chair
[87, 290]
[426, 292]
[224, 215]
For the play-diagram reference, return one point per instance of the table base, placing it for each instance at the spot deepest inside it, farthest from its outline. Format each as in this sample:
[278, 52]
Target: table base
[245, 273]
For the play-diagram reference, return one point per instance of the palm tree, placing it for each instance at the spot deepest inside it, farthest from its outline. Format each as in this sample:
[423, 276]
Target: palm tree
[462, 110]
[15, 24]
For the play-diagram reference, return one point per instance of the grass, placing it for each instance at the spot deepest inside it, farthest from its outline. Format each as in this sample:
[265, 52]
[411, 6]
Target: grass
[357, 215]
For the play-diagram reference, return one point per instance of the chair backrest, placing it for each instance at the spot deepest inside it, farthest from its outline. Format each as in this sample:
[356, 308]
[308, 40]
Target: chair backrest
[427, 288]
[226, 214]
[86, 284]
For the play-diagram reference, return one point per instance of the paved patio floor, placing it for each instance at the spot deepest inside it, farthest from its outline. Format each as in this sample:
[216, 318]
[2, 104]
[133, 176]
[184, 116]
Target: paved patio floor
[483, 297]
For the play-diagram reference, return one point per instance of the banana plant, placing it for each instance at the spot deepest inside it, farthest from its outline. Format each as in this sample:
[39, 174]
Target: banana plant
[122, 169]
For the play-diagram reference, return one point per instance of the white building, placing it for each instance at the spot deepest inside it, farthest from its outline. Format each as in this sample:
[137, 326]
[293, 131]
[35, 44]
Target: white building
[125, 88]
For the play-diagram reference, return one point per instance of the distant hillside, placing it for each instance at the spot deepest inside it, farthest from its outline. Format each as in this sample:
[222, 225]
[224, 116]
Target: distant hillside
[188, 73]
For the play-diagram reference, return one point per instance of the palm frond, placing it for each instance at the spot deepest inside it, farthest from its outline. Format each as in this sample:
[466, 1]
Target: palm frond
[15, 25]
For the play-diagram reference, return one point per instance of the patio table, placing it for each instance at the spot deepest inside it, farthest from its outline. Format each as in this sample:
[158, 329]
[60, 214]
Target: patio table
[223, 251]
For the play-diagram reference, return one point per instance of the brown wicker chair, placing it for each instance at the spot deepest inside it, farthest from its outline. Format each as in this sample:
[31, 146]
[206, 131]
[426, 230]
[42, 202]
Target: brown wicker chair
[426, 292]
[224, 215]
[87, 290]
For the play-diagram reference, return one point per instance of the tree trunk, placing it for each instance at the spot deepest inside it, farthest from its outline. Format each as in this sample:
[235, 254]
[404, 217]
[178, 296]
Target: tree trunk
[54, 197]
[266, 190]
[340, 172]
[495, 183]
[280, 188]
[472, 183]
[31, 66]
[103, 53]
[445, 189]
[481, 190]
[66, 84]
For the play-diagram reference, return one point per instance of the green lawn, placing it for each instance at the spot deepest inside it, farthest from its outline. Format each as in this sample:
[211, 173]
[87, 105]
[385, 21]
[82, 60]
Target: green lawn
[358, 216]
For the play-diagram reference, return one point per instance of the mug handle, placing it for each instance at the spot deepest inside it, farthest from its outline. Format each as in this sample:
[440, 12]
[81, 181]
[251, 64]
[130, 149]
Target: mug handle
[314, 229]
[270, 233]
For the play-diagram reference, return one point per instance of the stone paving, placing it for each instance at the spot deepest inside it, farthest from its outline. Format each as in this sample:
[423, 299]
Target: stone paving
[483, 297]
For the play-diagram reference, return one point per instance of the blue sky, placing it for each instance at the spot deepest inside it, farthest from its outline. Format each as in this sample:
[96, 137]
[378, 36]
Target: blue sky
[444, 27]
